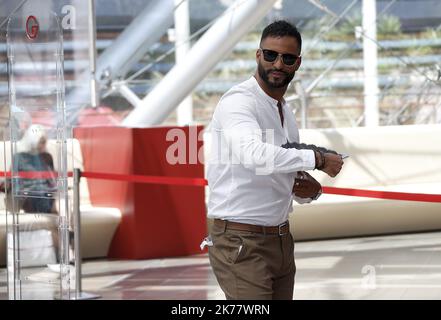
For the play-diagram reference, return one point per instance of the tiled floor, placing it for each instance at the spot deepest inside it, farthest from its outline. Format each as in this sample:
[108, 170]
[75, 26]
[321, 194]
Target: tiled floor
[387, 267]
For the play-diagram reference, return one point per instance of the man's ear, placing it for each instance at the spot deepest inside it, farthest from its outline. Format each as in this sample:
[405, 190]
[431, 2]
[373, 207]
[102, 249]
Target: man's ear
[258, 53]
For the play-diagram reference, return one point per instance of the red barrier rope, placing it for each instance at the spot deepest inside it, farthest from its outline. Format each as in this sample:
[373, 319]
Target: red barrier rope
[33, 174]
[146, 179]
[423, 197]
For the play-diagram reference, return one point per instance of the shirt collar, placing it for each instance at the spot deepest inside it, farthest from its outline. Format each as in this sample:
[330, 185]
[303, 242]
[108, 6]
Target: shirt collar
[264, 95]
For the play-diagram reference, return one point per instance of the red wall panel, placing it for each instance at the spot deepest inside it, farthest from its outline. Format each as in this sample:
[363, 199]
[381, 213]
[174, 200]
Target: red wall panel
[157, 220]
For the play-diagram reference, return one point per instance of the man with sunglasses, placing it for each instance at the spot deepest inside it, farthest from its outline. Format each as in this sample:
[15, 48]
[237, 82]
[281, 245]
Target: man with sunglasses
[253, 176]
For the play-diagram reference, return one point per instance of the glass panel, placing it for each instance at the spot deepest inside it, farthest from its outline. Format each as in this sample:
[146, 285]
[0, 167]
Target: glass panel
[38, 211]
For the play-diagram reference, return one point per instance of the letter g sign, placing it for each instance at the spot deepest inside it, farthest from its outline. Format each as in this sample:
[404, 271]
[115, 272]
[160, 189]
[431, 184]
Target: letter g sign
[32, 27]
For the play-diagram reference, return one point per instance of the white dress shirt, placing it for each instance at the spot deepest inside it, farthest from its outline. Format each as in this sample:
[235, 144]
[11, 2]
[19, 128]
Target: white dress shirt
[250, 176]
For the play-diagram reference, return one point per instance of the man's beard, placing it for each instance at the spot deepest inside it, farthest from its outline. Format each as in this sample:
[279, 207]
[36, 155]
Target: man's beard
[264, 76]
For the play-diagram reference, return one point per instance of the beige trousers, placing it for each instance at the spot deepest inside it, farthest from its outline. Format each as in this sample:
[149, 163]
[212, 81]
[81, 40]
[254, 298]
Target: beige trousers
[251, 265]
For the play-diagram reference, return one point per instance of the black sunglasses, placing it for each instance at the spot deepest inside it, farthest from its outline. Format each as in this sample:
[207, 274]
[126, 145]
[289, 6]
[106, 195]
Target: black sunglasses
[287, 58]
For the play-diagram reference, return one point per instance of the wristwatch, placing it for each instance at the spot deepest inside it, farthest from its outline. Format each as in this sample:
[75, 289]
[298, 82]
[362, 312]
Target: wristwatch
[318, 194]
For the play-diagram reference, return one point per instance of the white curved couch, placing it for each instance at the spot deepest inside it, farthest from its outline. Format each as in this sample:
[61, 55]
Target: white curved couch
[393, 158]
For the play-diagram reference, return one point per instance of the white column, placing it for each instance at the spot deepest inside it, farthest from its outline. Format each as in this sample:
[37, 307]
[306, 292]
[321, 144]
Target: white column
[371, 91]
[182, 45]
[94, 98]
[214, 45]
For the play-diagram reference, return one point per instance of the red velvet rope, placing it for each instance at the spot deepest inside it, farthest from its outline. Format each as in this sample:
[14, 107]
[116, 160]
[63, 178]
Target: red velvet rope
[423, 197]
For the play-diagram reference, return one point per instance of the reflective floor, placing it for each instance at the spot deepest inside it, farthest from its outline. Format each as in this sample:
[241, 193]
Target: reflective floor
[387, 267]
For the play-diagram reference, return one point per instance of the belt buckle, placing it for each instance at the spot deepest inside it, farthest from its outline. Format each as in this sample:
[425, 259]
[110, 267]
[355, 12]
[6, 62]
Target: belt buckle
[280, 228]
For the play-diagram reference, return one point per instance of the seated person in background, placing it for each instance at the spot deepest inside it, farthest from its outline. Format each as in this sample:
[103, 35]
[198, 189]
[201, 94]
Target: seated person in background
[32, 189]
[36, 194]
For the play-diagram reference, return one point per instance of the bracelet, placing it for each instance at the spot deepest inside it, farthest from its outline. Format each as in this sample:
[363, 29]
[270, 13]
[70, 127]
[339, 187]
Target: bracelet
[322, 160]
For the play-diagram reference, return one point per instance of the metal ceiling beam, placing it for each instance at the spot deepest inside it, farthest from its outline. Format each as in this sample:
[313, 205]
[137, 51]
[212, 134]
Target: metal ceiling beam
[213, 46]
[134, 42]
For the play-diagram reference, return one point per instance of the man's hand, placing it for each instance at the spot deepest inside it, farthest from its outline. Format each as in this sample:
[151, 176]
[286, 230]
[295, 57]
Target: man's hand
[333, 164]
[305, 186]
[329, 163]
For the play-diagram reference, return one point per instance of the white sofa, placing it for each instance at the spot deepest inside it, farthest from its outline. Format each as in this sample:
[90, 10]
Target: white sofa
[98, 224]
[394, 158]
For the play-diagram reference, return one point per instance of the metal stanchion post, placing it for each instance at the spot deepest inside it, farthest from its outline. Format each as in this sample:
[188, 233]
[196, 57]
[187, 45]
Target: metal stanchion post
[79, 294]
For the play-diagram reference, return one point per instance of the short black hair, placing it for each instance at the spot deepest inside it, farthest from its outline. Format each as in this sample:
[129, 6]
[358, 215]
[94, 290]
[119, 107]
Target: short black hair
[282, 28]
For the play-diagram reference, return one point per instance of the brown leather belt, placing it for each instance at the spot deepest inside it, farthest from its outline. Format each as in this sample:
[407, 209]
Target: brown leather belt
[280, 230]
